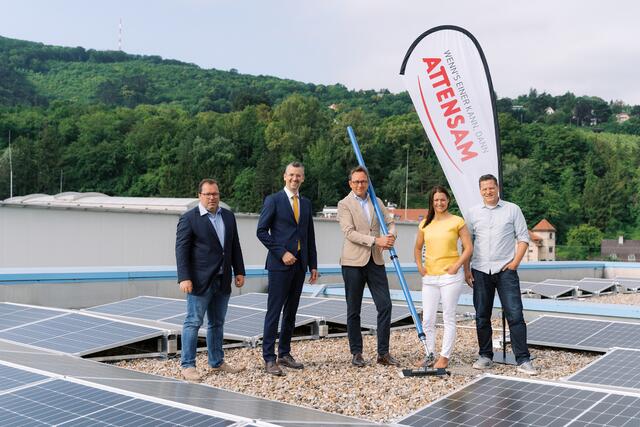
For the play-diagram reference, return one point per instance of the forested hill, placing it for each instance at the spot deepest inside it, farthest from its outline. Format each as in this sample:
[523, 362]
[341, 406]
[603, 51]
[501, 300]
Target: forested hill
[39, 74]
[86, 120]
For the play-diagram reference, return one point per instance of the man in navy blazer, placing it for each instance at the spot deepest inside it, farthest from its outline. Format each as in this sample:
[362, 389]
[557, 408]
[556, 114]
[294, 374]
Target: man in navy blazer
[285, 227]
[207, 250]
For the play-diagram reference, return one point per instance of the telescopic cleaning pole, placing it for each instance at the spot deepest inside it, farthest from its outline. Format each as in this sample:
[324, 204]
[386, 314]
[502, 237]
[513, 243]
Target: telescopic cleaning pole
[403, 284]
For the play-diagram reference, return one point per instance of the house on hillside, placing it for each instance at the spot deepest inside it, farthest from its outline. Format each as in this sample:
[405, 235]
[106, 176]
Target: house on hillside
[621, 249]
[622, 117]
[543, 242]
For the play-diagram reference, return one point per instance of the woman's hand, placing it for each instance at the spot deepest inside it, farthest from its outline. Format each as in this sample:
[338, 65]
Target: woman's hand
[452, 269]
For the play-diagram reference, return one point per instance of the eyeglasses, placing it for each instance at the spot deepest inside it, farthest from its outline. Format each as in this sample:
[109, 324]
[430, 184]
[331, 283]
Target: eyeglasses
[210, 194]
[365, 182]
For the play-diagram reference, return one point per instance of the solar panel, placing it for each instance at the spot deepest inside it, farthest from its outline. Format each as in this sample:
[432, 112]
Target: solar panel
[582, 334]
[64, 402]
[629, 285]
[503, 401]
[369, 315]
[596, 287]
[548, 290]
[259, 300]
[618, 368]
[242, 323]
[561, 282]
[150, 308]
[12, 315]
[12, 377]
[331, 310]
[202, 398]
[79, 334]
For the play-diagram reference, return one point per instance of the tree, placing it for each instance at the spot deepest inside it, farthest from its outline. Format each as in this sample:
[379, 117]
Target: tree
[585, 235]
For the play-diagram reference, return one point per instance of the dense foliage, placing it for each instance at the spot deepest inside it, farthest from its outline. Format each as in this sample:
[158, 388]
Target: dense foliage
[83, 120]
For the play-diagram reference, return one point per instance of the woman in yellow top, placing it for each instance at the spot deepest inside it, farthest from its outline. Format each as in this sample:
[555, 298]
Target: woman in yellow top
[442, 272]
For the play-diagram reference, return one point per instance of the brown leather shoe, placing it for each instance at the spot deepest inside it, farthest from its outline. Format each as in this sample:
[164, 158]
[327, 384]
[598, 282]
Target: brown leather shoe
[387, 360]
[358, 360]
[190, 374]
[289, 362]
[272, 368]
[225, 367]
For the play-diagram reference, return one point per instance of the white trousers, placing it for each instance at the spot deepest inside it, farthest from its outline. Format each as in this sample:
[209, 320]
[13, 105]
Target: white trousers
[448, 295]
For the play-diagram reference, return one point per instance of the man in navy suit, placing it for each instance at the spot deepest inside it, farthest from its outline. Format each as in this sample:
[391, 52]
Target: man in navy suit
[207, 249]
[285, 227]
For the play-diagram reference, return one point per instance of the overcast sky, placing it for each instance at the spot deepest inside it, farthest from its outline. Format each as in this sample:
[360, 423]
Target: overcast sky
[587, 47]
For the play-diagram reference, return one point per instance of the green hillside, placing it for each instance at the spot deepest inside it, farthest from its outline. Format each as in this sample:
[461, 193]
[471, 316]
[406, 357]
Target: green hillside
[145, 126]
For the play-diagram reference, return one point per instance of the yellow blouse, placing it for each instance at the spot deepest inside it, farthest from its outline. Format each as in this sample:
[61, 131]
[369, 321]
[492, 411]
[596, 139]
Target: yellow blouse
[441, 242]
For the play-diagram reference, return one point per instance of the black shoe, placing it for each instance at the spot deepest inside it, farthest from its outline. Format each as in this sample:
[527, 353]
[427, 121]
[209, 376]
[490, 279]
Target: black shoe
[387, 360]
[289, 362]
[358, 360]
[272, 368]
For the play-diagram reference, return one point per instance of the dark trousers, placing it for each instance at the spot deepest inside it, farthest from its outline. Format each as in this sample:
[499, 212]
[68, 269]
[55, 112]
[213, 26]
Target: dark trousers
[507, 284]
[284, 291]
[375, 277]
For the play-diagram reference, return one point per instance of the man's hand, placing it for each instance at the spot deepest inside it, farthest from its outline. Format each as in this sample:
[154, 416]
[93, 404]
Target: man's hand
[511, 266]
[468, 277]
[239, 280]
[186, 286]
[385, 242]
[314, 276]
[288, 258]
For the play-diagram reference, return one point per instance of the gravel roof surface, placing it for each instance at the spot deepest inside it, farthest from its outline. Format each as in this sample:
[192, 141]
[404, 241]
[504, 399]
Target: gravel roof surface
[378, 393]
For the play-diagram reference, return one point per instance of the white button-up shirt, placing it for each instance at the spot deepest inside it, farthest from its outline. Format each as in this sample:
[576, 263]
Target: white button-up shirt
[364, 203]
[494, 230]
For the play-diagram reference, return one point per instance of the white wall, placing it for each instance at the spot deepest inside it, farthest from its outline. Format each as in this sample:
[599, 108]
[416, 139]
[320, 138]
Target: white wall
[46, 237]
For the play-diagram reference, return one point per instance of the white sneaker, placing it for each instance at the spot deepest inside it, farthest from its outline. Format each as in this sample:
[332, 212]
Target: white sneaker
[483, 363]
[527, 368]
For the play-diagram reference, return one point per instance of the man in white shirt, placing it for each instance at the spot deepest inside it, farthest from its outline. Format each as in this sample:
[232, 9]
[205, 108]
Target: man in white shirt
[494, 225]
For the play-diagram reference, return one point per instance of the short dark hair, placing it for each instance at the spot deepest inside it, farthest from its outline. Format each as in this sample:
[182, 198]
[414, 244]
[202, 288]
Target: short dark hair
[210, 181]
[488, 177]
[295, 164]
[358, 169]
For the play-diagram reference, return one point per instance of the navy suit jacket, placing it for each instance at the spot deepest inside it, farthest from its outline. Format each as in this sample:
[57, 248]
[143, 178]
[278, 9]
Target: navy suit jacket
[279, 232]
[199, 253]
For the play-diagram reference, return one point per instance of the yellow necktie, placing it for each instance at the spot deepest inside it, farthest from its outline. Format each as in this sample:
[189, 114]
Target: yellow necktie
[296, 212]
[296, 209]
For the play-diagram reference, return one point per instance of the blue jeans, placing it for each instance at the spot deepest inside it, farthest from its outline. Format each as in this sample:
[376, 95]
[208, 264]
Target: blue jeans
[507, 284]
[215, 304]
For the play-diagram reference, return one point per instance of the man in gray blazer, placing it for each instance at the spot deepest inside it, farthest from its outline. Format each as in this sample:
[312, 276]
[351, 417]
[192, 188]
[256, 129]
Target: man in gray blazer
[362, 263]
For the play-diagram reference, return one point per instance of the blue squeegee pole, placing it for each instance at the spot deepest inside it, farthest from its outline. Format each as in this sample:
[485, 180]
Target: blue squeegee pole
[392, 251]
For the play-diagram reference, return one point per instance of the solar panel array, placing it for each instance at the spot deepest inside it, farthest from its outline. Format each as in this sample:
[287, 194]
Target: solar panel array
[18, 364]
[589, 286]
[68, 332]
[38, 399]
[245, 315]
[618, 368]
[583, 334]
[242, 323]
[503, 401]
